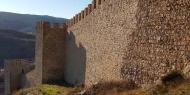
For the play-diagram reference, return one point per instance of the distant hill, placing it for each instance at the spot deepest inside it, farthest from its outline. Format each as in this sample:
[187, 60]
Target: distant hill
[17, 39]
[14, 45]
[24, 22]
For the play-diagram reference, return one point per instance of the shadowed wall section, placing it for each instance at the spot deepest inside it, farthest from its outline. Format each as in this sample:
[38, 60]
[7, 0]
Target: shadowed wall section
[54, 54]
[50, 52]
[75, 66]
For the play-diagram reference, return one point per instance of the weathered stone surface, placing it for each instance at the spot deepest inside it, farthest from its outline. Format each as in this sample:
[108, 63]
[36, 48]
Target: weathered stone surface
[161, 43]
[104, 34]
[141, 40]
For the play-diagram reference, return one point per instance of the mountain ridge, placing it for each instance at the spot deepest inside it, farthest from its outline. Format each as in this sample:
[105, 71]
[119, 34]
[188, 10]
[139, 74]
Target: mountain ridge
[25, 22]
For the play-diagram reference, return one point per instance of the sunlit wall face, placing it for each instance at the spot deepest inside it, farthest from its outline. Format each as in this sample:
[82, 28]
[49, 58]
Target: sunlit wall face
[58, 8]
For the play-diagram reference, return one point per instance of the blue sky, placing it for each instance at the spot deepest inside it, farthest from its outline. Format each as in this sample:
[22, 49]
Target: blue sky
[58, 8]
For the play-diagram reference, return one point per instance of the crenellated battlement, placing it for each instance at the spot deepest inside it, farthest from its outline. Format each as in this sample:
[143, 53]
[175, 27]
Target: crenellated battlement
[84, 13]
[47, 25]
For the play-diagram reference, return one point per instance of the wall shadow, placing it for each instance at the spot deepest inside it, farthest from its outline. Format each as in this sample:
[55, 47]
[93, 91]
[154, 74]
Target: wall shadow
[75, 66]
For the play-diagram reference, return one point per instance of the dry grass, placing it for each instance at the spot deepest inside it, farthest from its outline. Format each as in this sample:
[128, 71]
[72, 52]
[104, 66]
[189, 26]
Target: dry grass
[112, 88]
[47, 90]
[108, 88]
[171, 84]
[182, 88]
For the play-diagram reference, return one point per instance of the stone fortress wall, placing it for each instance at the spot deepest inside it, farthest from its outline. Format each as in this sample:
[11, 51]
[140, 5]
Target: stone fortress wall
[104, 30]
[114, 40]
[141, 40]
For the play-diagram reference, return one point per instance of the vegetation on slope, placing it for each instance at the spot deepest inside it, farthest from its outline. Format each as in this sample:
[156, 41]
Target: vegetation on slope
[47, 90]
[182, 89]
[110, 89]
[172, 84]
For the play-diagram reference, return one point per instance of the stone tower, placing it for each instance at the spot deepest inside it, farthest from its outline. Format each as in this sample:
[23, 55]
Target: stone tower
[50, 52]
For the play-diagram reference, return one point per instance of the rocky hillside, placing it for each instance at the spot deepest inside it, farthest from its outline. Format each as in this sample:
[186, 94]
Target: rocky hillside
[14, 44]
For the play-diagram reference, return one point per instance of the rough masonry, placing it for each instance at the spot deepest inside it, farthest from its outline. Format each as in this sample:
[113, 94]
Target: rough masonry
[141, 40]
[114, 40]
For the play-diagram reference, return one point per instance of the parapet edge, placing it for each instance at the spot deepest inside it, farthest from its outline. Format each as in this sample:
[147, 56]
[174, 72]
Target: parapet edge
[84, 13]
